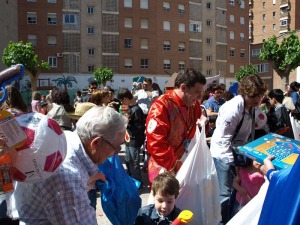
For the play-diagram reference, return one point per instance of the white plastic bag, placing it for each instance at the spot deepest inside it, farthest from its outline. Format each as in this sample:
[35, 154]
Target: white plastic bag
[296, 127]
[198, 180]
[250, 213]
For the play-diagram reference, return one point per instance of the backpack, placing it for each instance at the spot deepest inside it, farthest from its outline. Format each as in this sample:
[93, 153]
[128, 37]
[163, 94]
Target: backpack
[296, 111]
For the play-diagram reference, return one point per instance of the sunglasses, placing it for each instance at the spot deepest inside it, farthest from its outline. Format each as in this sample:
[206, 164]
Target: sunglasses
[112, 146]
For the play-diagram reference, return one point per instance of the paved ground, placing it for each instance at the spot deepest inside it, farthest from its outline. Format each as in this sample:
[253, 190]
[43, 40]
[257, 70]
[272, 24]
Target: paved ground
[144, 193]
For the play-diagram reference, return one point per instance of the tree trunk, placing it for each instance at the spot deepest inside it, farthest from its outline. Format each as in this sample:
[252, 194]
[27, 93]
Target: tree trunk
[33, 79]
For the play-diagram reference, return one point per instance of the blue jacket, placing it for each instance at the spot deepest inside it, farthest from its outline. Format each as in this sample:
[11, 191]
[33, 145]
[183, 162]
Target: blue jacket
[148, 215]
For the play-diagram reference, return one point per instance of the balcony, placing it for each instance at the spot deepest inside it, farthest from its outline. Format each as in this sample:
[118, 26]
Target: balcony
[250, 24]
[251, 14]
[284, 4]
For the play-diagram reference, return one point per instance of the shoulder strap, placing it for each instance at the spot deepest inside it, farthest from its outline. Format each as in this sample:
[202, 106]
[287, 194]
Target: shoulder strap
[238, 126]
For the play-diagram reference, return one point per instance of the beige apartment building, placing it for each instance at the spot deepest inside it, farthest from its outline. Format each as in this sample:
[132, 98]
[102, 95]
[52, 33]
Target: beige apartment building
[140, 37]
[267, 18]
[8, 24]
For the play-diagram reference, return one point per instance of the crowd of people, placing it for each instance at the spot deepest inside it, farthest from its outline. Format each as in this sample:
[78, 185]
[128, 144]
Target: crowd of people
[162, 127]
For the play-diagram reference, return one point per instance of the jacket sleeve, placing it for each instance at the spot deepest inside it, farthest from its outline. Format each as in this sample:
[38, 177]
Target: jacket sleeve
[157, 129]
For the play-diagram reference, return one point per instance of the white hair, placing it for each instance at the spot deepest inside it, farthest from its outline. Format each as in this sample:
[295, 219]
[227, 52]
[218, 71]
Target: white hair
[100, 121]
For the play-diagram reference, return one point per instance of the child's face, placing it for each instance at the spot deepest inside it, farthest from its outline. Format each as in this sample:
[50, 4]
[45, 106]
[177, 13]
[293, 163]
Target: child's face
[256, 164]
[164, 204]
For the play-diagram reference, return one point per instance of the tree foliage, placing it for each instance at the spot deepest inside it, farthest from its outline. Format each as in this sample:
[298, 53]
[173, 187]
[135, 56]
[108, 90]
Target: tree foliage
[103, 74]
[248, 70]
[284, 57]
[24, 53]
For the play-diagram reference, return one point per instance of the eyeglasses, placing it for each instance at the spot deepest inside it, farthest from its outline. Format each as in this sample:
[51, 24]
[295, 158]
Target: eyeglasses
[111, 145]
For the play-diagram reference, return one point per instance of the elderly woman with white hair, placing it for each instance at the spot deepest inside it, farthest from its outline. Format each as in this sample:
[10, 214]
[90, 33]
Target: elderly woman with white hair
[62, 198]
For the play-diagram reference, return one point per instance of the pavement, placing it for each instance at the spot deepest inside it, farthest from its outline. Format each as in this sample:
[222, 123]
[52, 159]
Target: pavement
[143, 192]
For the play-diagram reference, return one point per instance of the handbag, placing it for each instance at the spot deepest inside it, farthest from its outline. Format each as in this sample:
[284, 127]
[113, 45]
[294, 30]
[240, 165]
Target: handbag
[241, 160]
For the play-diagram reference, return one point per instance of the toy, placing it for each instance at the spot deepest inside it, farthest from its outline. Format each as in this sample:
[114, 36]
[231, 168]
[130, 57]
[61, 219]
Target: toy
[183, 218]
[45, 148]
[9, 75]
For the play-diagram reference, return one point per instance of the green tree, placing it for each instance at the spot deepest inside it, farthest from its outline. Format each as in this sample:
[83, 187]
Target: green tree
[24, 53]
[248, 70]
[284, 57]
[65, 81]
[102, 75]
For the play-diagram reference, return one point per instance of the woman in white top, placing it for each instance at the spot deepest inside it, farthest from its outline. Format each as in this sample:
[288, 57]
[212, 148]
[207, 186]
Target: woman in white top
[251, 90]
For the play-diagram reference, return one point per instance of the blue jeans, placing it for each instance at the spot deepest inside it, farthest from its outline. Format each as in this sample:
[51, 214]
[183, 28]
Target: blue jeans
[132, 160]
[225, 177]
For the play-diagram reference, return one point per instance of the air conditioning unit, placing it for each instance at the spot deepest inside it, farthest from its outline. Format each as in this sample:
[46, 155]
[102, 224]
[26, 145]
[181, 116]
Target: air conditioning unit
[59, 55]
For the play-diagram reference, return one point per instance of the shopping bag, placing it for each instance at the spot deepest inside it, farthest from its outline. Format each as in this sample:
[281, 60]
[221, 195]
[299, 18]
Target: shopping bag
[119, 197]
[250, 213]
[199, 188]
[296, 127]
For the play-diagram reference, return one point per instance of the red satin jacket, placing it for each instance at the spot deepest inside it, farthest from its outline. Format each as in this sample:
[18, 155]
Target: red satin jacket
[170, 123]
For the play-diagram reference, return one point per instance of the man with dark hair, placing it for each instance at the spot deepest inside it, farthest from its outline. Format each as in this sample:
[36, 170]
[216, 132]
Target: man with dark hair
[171, 122]
[93, 85]
[114, 102]
[135, 134]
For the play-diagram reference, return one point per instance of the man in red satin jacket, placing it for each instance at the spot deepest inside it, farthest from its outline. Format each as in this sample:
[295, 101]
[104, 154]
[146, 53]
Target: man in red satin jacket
[171, 122]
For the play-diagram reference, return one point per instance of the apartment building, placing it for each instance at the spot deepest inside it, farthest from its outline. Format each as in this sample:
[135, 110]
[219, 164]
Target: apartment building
[141, 37]
[268, 18]
[8, 24]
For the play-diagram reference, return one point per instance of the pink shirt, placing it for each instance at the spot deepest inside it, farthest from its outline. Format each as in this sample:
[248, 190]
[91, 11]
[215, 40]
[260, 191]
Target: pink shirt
[251, 182]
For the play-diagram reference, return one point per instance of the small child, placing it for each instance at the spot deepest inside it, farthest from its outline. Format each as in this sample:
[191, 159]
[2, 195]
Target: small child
[247, 183]
[165, 189]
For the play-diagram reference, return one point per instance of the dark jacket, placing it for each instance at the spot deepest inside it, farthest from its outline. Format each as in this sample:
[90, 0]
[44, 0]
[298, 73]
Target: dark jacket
[136, 127]
[148, 215]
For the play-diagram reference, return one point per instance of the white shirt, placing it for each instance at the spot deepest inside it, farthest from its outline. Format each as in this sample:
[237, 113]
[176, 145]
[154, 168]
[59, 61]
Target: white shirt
[230, 114]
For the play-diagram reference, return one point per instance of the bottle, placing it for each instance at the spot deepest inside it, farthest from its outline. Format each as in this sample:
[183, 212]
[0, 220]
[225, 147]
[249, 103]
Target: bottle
[6, 184]
[120, 110]
[183, 218]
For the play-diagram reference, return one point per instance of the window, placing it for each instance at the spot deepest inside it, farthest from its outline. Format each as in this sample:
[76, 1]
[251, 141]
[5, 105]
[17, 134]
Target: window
[128, 63]
[283, 22]
[181, 65]
[167, 45]
[31, 0]
[70, 19]
[264, 5]
[242, 36]
[262, 68]
[144, 4]
[274, 15]
[51, 1]
[90, 30]
[166, 6]
[32, 39]
[231, 52]
[144, 63]
[144, 24]
[242, 53]
[52, 61]
[31, 18]
[208, 5]
[128, 3]
[181, 27]
[231, 35]
[231, 2]
[274, 26]
[242, 4]
[208, 72]
[264, 16]
[91, 68]
[52, 40]
[264, 29]
[231, 18]
[51, 18]
[167, 64]
[181, 46]
[242, 20]
[195, 27]
[91, 51]
[256, 52]
[128, 22]
[181, 9]
[167, 25]
[144, 44]
[128, 43]
[90, 9]
[209, 58]
[231, 68]
[208, 40]
[208, 22]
